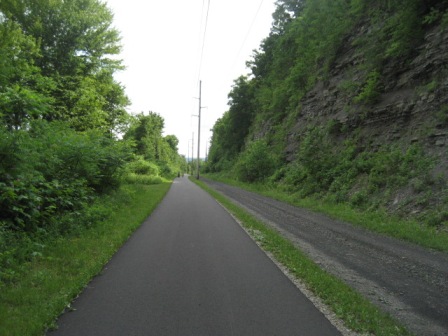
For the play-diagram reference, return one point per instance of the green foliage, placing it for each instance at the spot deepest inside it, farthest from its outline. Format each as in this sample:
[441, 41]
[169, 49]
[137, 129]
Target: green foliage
[342, 172]
[403, 29]
[293, 58]
[75, 37]
[319, 163]
[437, 219]
[221, 153]
[442, 115]
[20, 105]
[395, 168]
[230, 132]
[22, 88]
[29, 204]
[241, 112]
[444, 21]
[330, 162]
[348, 87]
[256, 163]
[50, 170]
[57, 64]
[133, 178]
[141, 171]
[142, 167]
[146, 134]
[62, 153]
[60, 113]
[430, 87]
[172, 142]
[433, 16]
[396, 27]
[371, 89]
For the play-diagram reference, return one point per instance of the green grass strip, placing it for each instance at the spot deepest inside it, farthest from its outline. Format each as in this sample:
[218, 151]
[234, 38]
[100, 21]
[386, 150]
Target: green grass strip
[357, 312]
[30, 305]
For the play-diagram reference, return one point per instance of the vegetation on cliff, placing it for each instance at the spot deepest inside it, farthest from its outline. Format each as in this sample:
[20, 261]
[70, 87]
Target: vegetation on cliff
[345, 102]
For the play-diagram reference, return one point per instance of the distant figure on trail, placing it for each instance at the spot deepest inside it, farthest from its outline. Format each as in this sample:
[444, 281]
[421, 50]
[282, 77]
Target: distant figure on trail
[178, 174]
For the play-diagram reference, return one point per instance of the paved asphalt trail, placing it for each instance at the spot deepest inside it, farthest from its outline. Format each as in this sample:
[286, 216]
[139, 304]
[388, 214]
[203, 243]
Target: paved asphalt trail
[191, 270]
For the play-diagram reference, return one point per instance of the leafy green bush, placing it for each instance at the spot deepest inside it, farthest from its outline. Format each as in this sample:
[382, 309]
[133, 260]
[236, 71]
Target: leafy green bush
[31, 203]
[59, 152]
[49, 170]
[371, 90]
[133, 178]
[403, 29]
[142, 167]
[256, 163]
[167, 170]
[393, 167]
[341, 172]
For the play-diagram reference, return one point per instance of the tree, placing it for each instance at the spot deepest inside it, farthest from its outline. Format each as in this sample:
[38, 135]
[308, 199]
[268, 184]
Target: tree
[22, 88]
[72, 64]
[75, 36]
[255, 163]
[230, 132]
[286, 11]
[219, 153]
[241, 112]
[146, 131]
[173, 142]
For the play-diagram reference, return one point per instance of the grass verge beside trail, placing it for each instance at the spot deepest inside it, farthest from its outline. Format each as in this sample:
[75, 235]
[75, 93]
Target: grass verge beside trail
[377, 221]
[357, 312]
[30, 305]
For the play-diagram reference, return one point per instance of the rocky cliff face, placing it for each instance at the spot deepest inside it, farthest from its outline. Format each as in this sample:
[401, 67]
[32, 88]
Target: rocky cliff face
[410, 105]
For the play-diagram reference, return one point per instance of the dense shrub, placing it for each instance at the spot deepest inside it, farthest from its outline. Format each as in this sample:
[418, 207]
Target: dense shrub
[49, 170]
[142, 167]
[133, 178]
[346, 173]
[168, 170]
[29, 203]
[256, 163]
[371, 89]
[61, 153]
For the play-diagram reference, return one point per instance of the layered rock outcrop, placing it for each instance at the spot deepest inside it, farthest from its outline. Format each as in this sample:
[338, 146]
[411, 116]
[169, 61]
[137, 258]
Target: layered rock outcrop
[411, 106]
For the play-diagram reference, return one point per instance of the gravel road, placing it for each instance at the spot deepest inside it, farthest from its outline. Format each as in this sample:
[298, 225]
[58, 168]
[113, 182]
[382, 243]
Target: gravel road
[409, 282]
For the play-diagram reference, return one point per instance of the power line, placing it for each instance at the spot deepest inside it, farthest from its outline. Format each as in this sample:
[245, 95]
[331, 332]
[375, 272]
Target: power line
[247, 34]
[203, 39]
[199, 76]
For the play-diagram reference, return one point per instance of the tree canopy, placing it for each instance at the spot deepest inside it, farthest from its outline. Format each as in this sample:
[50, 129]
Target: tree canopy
[58, 60]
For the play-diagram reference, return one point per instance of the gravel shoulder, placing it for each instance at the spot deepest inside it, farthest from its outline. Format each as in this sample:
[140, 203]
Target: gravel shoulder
[407, 281]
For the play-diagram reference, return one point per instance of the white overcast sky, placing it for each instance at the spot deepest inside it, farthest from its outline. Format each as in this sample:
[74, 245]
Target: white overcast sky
[162, 42]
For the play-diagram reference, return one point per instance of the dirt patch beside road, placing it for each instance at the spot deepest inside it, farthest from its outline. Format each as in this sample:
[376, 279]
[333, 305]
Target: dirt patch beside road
[409, 282]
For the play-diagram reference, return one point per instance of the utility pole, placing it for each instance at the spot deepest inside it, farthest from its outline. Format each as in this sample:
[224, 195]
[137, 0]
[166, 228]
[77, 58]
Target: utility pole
[199, 128]
[188, 155]
[192, 152]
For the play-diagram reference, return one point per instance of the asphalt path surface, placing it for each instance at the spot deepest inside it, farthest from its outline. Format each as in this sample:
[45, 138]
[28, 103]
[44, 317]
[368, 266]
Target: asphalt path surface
[190, 269]
[409, 282]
